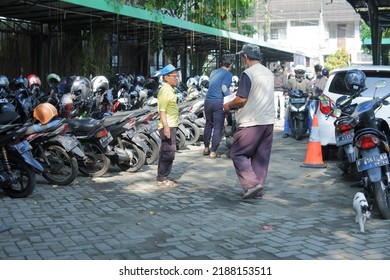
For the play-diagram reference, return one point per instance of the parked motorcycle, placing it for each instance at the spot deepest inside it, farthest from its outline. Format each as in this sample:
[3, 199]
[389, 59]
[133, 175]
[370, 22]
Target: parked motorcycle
[56, 151]
[344, 132]
[298, 112]
[94, 139]
[371, 139]
[127, 150]
[17, 164]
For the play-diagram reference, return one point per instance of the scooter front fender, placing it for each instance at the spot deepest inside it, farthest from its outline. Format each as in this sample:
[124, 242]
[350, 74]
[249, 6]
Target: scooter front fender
[23, 149]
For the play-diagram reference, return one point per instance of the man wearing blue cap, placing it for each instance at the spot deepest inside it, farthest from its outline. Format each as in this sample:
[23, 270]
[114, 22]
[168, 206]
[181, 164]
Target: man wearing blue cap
[252, 142]
[167, 125]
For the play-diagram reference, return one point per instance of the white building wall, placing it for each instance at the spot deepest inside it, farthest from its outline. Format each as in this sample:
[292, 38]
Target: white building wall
[315, 41]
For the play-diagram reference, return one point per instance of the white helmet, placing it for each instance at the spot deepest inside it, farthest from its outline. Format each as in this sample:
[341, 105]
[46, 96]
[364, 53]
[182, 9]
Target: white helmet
[300, 67]
[99, 83]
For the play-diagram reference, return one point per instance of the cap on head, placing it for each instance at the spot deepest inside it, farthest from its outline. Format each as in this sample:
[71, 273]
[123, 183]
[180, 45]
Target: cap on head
[251, 50]
[169, 69]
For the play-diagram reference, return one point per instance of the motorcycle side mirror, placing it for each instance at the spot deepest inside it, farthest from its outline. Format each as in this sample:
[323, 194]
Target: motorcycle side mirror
[342, 100]
[380, 84]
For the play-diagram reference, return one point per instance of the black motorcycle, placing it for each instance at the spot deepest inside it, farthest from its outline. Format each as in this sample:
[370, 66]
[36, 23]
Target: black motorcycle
[17, 165]
[371, 141]
[298, 113]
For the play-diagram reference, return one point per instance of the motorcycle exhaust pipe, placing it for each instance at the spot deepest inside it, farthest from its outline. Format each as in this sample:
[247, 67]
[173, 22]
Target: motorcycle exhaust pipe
[122, 155]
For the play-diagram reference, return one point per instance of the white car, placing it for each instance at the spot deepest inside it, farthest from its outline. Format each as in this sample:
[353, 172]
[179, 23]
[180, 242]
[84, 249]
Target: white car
[336, 88]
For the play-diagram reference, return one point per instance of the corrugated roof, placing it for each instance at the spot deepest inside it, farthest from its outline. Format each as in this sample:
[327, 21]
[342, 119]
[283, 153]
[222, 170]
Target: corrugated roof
[132, 23]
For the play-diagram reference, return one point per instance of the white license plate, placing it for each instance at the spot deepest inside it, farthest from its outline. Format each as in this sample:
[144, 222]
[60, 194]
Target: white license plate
[298, 100]
[372, 162]
[106, 140]
[344, 139]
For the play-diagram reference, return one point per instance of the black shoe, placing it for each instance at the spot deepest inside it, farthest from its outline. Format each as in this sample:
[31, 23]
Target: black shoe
[285, 135]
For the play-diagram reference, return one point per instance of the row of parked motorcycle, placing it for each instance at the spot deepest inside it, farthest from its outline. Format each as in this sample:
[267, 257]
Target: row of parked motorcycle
[362, 138]
[85, 126]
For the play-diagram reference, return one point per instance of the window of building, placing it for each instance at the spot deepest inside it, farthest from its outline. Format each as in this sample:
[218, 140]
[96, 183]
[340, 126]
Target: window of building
[278, 30]
[296, 23]
[334, 29]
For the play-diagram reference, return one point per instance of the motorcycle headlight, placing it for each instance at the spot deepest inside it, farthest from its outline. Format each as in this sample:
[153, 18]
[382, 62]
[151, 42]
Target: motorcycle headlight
[302, 108]
[293, 108]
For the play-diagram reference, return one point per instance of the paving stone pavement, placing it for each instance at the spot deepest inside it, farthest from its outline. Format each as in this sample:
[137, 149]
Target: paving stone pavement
[125, 216]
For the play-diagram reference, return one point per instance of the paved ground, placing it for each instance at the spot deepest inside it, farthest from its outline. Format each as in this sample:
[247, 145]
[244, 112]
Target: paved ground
[125, 216]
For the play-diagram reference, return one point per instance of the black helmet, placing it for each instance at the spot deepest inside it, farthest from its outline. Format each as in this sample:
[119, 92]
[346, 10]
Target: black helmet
[325, 72]
[355, 80]
[140, 80]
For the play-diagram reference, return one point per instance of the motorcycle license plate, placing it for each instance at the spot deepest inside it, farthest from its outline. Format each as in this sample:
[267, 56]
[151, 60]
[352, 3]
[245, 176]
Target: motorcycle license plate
[22, 147]
[106, 140]
[298, 100]
[70, 142]
[344, 139]
[371, 162]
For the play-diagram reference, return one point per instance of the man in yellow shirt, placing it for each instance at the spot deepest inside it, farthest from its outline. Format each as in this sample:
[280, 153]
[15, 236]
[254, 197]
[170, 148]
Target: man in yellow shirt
[169, 120]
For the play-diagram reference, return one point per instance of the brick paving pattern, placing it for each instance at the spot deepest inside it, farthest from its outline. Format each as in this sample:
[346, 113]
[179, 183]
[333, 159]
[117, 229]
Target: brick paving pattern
[125, 216]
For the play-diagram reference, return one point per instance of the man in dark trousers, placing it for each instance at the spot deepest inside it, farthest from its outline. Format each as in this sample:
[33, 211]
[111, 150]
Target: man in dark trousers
[167, 125]
[220, 80]
[252, 143]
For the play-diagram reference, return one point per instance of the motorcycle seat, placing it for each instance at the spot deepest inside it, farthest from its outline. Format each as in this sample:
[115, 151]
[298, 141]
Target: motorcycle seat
[51, 126]
[82, 125]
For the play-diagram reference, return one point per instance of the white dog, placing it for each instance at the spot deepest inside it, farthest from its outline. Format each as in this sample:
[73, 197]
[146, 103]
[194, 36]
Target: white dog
[362, 209]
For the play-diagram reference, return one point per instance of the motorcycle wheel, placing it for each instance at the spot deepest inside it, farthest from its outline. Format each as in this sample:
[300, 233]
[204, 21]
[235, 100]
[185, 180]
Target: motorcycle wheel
[25, 179]
[59, 167]
[299, 127]
[194, 132]
[138, 160]
[180, 140]
[382, 197]
[96, 163]
[153, 151]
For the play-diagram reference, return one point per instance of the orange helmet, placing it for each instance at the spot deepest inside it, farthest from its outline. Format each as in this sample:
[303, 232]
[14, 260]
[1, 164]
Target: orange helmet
[45, 112]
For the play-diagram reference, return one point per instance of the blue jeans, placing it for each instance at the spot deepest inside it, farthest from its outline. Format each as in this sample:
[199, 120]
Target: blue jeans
[215, 118]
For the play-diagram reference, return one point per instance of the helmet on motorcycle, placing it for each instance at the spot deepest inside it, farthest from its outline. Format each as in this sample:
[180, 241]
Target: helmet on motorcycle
[355, 80]
[151, 84]
[325, 72]
[4, 82]
[33, 80]
[235, 80]
[204, 81]
[121, 82]
[18, 83]
[192, 82]
[81, 87]
[140, 80]
[99, 83]
[45, 112]
[53, 80]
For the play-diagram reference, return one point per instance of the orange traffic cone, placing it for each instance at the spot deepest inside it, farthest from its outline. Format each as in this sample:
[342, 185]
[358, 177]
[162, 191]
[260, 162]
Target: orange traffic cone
[314, 152]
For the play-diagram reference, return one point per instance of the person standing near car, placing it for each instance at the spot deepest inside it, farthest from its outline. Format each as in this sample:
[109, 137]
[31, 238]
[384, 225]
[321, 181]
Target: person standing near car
[280, 84]
[300, 83]
[219, 87]
[167, 125]
[319, 81]
[252, 142]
